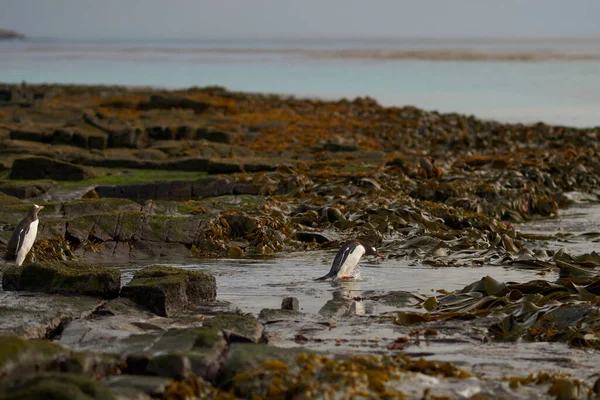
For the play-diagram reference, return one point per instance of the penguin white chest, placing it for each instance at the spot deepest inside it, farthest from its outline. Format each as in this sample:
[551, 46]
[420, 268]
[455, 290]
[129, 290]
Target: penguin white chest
[351, 261]
[28, 240]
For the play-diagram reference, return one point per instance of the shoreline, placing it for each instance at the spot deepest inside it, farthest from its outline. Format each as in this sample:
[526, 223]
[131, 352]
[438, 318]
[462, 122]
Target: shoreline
[512, 120]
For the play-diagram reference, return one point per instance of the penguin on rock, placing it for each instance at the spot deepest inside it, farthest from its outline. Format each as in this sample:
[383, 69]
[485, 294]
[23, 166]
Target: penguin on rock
[24, 235]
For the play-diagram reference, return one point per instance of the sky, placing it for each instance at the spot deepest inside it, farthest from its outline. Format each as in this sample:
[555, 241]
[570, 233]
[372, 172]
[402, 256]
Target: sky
[301, 18]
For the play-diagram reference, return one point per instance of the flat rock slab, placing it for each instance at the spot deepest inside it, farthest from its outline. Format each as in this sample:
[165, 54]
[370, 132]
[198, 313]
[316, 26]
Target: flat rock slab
[167, 291]
[64, 278]
[47, 168]
[37, 315]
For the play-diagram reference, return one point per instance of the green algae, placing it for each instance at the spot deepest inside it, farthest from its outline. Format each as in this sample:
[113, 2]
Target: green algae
[14, 349]
[64, 278]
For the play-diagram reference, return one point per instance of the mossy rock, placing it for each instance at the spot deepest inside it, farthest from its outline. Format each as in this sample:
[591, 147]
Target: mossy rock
[56, 386]
[76, 208]
[7, 200]
[179, 353]
[167, 290]
[245, 356]
[130, 225]
[17, 352]
[236, 327]
[64, 278]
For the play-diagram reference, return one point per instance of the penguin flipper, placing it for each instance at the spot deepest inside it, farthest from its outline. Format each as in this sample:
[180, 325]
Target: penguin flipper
[323, 277]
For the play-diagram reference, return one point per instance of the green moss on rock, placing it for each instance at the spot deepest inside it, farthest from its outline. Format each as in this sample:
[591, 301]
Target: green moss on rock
[168, 290]
[243, 327]
[15, 350]
[76, 208]
[64, 278]
[56, 386]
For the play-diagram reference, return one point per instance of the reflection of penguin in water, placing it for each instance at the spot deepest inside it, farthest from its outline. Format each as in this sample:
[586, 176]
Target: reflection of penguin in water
[23, 236]
[347, 258]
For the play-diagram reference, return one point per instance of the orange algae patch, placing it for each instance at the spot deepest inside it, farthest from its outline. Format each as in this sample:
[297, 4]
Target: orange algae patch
[321, 376]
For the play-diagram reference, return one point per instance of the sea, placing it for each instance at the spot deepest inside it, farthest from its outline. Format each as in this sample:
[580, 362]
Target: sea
[521, 80]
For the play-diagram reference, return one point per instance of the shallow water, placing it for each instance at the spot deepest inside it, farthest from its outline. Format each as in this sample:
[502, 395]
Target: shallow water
[252, 285]
[577, 229]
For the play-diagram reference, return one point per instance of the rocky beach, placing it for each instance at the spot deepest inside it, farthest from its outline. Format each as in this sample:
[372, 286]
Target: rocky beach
[155, 201]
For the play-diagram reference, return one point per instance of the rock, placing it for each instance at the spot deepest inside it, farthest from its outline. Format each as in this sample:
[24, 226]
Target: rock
[77, 208]
[175, 366]
[24, 191]
[64, 278]
[18, 354]
[244, 356]
[158, 102]
[167, 290]
[235, 165]
[341, 143]
[290, 303]
[240, 224]
[332, 214]
[213, 135]
[236, 327]
[38, 316]
[310, 237]
[175, 191]
[32, 134]
[47, 168]
[277, 314]
[212, 187]
[196, 350]
[87, 363]
[338, 307]
[121, 133]
[10, 34]
[153, 386]
[54, 386]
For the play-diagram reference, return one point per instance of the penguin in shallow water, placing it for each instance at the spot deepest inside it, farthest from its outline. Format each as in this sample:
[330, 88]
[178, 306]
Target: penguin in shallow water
[347, 258]
[23, 236]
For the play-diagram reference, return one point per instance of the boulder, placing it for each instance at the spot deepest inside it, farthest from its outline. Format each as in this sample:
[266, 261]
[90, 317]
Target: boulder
[64, 278]
[167, 290]
[47, 168]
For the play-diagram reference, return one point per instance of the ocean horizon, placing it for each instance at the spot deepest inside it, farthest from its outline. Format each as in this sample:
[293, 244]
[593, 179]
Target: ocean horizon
[525, 80]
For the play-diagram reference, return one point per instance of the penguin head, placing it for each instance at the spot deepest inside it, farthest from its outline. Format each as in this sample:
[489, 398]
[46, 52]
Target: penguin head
[34, 209]
[372, 251]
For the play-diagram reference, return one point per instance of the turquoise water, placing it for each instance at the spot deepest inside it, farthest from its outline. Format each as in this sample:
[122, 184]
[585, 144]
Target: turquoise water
[553, 90]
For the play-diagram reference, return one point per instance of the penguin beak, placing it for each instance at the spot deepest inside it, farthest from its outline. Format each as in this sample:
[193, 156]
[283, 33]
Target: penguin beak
[41, 207]
[379, 255]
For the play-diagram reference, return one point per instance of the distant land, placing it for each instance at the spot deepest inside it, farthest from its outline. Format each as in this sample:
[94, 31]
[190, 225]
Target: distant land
[9, 34]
